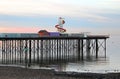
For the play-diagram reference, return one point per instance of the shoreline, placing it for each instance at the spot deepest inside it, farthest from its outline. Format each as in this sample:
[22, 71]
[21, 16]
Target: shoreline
[82, 71]
[9, 72]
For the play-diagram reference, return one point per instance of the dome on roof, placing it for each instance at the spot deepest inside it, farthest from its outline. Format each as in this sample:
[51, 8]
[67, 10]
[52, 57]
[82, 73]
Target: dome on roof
[42, 31]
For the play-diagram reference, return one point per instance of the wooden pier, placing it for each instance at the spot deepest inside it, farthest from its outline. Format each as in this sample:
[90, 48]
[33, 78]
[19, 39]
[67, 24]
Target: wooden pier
[39, 50]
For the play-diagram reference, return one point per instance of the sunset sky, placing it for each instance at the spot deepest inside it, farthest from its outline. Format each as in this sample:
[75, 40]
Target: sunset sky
[95, 16]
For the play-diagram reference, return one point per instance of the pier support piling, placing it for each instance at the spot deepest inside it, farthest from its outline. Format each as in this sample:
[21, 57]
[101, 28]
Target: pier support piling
[29, 53]
[96, 48]
[51, 49]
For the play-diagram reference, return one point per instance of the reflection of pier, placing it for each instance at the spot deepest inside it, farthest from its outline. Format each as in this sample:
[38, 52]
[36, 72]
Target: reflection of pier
[38, 50]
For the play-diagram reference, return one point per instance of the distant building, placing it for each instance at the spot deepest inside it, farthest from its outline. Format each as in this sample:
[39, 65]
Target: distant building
[43, 33]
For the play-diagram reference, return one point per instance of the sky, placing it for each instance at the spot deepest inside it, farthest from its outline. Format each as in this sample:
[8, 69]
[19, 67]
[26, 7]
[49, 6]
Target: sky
[30, 16]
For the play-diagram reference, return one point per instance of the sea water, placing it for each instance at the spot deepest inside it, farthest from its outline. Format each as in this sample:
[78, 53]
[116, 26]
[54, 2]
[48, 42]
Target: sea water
[101, 65]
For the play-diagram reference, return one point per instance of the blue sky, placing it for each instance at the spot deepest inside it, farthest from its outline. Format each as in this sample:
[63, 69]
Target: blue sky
[96, 16]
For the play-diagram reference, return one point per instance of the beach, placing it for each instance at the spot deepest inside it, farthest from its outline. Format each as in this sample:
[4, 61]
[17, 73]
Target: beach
[24, 73]
[7, 72]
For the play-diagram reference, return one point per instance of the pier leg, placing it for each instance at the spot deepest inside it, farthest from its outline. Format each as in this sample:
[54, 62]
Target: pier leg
[65, 48]
[6, 58]
[82, 55]
[37, 51]
[78, 49]
[29, 53]
[88, 48]
[20, 50]
[34, 50]
[96, 48]
[41, 52]
[2, 51]
[51, 50]
[12, 51]
[10, 46]
[26, 51]
[105, 48]
[57, 49]
[15, 51]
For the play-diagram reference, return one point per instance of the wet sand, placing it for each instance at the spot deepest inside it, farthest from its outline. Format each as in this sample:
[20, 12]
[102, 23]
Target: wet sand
[24, 73]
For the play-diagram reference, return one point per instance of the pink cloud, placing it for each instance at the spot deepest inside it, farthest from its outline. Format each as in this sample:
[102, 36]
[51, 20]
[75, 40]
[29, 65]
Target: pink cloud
[22, 29]
[19, 29]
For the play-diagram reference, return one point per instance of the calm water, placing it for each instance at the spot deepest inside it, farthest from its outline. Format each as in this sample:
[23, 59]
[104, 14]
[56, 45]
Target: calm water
[100, 65]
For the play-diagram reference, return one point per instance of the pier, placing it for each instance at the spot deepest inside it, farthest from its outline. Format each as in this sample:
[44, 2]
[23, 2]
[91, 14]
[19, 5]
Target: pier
[29, 51]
